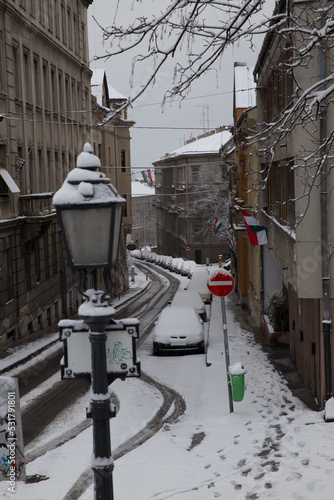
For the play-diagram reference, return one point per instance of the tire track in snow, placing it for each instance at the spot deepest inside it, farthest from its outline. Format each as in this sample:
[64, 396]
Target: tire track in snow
[172, 408]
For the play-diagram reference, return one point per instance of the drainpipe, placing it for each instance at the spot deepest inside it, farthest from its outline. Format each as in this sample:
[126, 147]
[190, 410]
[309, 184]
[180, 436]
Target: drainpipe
[326, 317]
[116, 157]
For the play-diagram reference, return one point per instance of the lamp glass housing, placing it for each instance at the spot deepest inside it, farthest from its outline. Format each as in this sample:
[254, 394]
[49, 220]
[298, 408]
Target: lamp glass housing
[91, 234]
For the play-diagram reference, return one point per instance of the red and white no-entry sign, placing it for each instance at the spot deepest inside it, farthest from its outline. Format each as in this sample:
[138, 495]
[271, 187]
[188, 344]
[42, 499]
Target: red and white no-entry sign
[220, 283]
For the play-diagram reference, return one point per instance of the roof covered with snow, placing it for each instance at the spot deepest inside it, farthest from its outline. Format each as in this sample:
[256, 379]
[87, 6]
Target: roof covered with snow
[141, 189]
[96, 83]
[209, 144]
[98, 77]
[115, 95]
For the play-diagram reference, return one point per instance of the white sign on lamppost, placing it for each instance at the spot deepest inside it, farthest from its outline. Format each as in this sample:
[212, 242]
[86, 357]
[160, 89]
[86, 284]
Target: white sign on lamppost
[121, 359]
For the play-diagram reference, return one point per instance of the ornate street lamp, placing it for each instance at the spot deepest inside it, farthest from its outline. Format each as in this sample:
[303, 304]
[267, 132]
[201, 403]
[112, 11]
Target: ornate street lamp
[89, 210]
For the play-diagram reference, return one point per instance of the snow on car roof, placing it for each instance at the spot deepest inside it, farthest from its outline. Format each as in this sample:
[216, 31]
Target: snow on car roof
[182, 314]
[187, 298]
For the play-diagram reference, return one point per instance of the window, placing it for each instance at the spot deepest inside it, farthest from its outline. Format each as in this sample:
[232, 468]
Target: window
[54, 90]
[49, 172]
[61, 92]
[86, 106]
[73, 99]
[279, 86]
[37, 85]
[78, 106]
[75, 34]
[31, 174]
[41, 11]
[50, 27]
[280, 191]
[195, 174]
[67, 97]
[56, 10]
[63, 164]
[16, 72]
[46, 86]
[41, 173]
[32, 7]
[83, 38]
[123, 160]
[63, 23]
[69, 27]
[58, 174]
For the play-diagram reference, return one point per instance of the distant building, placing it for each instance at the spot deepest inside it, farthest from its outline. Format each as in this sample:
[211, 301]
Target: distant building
[241, 154]
[111, 142]
[186, 180]
[144, 229]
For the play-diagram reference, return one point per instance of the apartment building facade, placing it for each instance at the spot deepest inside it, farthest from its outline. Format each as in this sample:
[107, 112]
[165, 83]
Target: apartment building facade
[297, 180]
[144, 224]
[194, 172]
[45, 119]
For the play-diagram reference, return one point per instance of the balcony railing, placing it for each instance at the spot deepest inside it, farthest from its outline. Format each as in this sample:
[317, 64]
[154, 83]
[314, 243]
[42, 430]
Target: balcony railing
[36, 205]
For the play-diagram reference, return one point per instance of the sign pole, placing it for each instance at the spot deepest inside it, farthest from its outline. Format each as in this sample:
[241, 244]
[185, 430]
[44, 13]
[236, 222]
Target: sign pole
[221, 284]
[227, 355]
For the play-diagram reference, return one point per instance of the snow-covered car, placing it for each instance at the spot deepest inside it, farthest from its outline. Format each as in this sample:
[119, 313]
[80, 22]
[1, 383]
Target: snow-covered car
[167, 260]
[174, 263]
[188, 268]
[160, 259]
[179, 266]
[178, 329]
[193, 299]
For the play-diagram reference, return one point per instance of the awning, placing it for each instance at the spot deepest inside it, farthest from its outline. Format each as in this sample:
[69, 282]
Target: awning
[13, 187]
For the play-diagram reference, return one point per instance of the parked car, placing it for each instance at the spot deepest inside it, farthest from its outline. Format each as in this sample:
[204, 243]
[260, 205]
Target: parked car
[178, 329]
[167, 261]
[198, 282]
[193, 299]
[174, 263]
[188, 268]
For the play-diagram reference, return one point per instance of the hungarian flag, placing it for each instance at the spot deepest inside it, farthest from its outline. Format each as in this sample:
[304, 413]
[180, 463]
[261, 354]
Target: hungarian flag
[147, 176]
[256, 232]
[231, 248]
[217, 226]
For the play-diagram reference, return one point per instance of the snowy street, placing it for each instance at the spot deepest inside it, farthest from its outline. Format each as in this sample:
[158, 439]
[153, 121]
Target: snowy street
[271, 447]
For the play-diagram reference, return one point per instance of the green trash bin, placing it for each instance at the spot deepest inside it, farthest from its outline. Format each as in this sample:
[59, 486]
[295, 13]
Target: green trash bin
[237, 374]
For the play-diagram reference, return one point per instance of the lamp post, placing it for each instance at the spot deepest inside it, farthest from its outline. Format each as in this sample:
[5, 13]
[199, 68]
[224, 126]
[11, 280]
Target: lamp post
[89, 210]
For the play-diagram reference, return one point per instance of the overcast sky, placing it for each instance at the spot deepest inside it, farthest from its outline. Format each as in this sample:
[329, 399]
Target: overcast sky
[158, 131]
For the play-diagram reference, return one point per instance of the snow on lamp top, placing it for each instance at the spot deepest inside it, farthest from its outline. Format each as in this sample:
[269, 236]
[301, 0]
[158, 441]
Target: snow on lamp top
[85, 185]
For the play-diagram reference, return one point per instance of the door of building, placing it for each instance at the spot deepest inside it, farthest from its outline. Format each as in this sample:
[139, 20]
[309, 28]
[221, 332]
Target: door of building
[198, 256]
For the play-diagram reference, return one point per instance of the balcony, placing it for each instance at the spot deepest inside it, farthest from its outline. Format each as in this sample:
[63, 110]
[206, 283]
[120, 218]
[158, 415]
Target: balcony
[36, 205]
